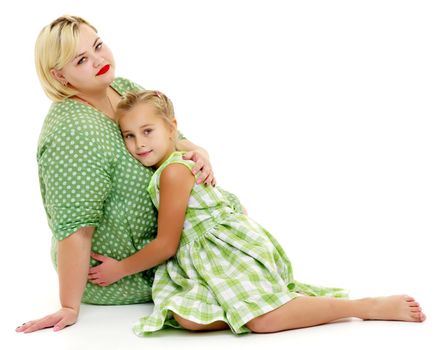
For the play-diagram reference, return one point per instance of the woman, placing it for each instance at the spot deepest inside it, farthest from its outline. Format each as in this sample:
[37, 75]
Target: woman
[93, 190]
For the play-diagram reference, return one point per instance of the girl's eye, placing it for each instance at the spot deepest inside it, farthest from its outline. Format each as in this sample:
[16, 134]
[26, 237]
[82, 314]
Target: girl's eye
[128, 136]
[99, 46]
[147, 131]
[82, 60]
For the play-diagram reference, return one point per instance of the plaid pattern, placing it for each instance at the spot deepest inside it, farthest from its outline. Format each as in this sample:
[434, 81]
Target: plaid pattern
[227, 267]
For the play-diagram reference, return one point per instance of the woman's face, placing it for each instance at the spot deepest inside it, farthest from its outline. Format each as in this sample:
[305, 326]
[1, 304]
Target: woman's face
[92, 69]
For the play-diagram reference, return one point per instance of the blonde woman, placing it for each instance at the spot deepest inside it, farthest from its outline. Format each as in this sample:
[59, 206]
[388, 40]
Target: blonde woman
[93, 190]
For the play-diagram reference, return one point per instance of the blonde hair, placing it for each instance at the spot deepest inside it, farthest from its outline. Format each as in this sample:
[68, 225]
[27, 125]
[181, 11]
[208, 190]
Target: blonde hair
[54, 48]
[162, 104]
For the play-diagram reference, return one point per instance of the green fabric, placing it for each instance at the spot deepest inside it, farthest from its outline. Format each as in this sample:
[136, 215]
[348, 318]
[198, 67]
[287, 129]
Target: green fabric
[227, 267]
[87, 178]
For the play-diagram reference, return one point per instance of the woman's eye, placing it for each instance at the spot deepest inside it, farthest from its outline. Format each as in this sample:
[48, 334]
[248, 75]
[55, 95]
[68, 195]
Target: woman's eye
[147, 131]
[129, 136]
[82, 60]
[99, 46]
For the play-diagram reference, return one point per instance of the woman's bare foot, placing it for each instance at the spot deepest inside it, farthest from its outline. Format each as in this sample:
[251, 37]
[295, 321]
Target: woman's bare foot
[395, 307]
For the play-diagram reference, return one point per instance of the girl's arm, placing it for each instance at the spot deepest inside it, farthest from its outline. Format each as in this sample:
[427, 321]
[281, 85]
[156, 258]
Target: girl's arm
[176, 183]
[73, 264]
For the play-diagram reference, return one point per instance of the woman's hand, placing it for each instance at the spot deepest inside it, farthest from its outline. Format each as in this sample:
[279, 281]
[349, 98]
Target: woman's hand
[107, 273]
[202, 166]
[59, 320]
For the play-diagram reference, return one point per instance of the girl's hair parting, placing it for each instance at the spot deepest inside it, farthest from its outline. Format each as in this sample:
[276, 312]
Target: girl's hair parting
[162, 104]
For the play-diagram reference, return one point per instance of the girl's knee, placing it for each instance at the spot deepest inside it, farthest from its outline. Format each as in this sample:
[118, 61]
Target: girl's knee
[186, 324]
[258, 325]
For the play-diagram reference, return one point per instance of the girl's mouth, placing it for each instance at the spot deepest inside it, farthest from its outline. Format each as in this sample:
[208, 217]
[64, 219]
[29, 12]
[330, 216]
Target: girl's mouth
[103, 70]
[144, 154]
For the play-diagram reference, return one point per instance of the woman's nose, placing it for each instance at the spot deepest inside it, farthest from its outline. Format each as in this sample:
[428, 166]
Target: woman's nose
[98, 61]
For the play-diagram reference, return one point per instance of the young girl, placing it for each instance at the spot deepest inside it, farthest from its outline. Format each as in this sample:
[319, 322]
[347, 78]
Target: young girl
[219, 269]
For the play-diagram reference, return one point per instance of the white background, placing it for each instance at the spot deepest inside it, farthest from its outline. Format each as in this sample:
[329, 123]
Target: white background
[319, 115]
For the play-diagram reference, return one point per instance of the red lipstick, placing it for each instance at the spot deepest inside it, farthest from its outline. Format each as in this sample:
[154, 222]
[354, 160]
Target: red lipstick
[103, 70]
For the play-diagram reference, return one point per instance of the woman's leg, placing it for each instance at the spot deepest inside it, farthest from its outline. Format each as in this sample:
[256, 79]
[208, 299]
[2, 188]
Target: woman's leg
[193, 326]
[306, 311]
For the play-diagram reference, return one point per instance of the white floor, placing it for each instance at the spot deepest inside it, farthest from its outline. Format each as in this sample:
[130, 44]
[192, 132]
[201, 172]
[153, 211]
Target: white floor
[337, 157]
[109, 328]
[401, 263]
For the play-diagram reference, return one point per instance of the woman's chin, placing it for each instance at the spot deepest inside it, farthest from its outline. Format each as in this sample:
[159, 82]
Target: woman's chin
[107, 78]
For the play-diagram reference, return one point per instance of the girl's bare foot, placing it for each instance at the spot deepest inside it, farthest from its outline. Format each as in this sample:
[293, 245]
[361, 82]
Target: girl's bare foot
[395, 307]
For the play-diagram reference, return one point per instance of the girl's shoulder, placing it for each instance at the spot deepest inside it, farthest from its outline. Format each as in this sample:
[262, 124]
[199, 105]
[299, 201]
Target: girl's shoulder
[177, 158]
[174, 158]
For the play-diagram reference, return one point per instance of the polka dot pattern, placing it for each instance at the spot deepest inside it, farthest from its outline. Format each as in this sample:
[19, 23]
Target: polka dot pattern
[87, 178]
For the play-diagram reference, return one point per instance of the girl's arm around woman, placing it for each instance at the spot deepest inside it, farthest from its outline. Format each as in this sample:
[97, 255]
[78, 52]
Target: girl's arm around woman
[176, 183]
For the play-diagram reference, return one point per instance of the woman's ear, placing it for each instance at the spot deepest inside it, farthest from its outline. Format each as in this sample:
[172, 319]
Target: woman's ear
[57, 74]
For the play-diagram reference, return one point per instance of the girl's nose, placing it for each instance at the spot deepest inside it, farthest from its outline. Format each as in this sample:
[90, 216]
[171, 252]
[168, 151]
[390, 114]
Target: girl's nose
[139, 144]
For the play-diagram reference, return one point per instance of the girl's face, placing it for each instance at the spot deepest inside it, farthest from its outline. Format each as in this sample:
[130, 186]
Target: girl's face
[92, 69]
[148, 137]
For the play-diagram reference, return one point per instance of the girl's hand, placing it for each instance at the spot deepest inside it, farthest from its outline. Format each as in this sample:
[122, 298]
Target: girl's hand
[202, 166]
[107, 273]
[59, 320]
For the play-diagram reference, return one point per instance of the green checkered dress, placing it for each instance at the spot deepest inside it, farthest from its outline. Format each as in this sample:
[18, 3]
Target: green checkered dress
[227, 266]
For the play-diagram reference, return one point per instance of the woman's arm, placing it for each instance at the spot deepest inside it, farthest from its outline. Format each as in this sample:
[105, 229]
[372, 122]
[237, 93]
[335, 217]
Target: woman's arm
[202, 161]
[202, 164]
[186, 145]
[73, 265]
[176, 183]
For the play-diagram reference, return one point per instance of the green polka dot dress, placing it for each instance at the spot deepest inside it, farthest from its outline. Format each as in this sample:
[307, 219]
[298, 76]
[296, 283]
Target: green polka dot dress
[87, 178]
[227, 266]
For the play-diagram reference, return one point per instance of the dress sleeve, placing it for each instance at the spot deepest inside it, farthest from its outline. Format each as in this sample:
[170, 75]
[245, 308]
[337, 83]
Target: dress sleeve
[75, 181]
[135, 86]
